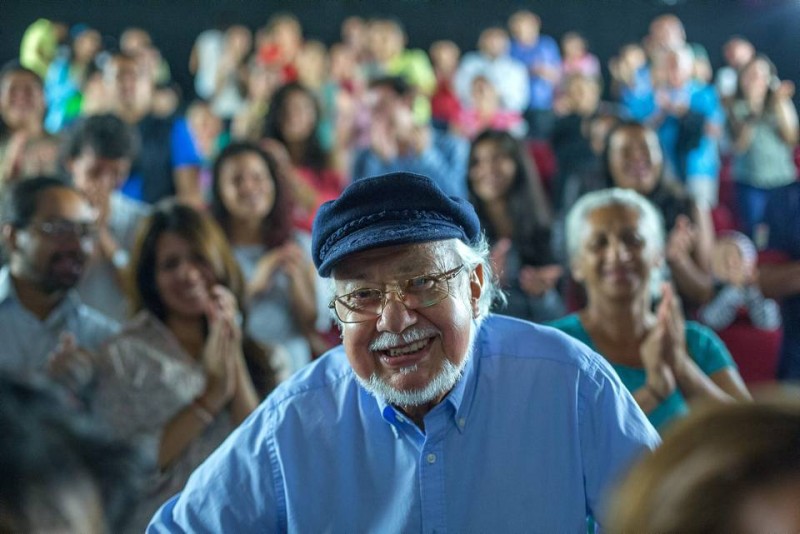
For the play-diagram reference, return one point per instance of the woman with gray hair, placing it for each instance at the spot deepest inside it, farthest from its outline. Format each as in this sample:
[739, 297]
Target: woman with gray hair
[615, 241]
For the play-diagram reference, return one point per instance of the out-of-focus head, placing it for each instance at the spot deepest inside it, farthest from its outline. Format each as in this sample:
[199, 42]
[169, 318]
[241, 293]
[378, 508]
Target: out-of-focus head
[756, 78]
[666, 31]
[49, 230]
[583, 93]
[312, 64]
[738, 51]
[86, 43]
[129, 82]
[354, 33]
[134, 40]
[493, 42]
[238, 40]
[599, 126]
[59, 470]
[496, 168]
[615, 243]
[98, 155]
[179, 255]
[21, 96]
[483, 93]
[401, 231]
[386, 38]
[294, 114]
[633, 158]
[573, 45]
[445, 56]
[247, 186]
[525, 27]
[725, 468]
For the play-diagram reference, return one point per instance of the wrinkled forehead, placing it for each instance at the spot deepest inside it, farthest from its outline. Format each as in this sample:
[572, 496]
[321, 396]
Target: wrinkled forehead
[395, 262]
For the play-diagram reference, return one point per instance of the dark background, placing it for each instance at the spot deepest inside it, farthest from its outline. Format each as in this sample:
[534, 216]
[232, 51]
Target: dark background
[772, 25]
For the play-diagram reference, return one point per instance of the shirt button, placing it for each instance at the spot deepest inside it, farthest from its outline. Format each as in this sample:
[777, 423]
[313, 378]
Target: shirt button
[431, 458]
[462, 422]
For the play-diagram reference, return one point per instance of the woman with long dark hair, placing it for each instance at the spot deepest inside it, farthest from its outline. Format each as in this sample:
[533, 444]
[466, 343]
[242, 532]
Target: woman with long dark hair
[508, 197]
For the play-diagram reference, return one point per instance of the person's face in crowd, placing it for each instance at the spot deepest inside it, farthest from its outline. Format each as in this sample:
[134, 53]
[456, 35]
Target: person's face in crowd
[51, 252]
[584, 94]
[493, 42]
[678, 68]
[21, 100]
[343, 62]
[635, 159]
[289, 37]
[299, 117]
[183, 277]
[573, 46]
[484, 95]
[491, 171]
[738, 53]
[247, 189]
[612, 261]
[130, 83]
[667, 32]
[445, 56]
[312, 64]
[238, 41]
[86, 46]
[354, 33]
[386, 40]
[134, 40]
[97, 177]
[772, 508]
[525, 27]
[407, 351]
[755, 80]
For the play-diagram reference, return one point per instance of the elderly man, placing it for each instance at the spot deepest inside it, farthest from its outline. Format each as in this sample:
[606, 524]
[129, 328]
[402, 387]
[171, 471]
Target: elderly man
[432, 416]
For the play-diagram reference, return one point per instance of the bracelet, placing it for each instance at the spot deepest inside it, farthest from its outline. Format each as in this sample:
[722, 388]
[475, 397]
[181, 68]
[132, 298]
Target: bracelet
[202, 412]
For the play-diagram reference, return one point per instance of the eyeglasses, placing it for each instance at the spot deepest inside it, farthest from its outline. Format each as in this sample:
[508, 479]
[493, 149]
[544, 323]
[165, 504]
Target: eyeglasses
[367, 303]
[64, 229]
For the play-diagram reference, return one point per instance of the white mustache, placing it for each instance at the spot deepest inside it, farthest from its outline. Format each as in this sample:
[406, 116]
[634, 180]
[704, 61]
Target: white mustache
[387, 340]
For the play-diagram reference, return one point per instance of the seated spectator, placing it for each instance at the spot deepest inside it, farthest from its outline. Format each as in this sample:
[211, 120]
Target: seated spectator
[180, 376]
[280, 42]
[630, 75]
[540, 56]
[764, 131]
[576, 58]
[633, 160]
[167, 163]
[293, 121]
[253, 205]
[261, 82]
[485, 112]
[734, 268]
[49, 230]
[513, 211]
[445, 104]
[688, 118]
[727, 468]
[397, 142]
[67, 75]
[779, 271]
[492, 60]
[98, 154]
[615, 241]
[26, 150]
[59, 471]
[737, 53]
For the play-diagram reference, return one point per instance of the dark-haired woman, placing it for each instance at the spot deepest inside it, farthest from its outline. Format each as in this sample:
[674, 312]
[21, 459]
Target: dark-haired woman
[505, 190]
[253, 205]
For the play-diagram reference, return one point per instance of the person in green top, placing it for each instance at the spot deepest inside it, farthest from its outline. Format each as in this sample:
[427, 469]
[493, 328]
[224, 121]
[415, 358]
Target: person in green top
[615, 242]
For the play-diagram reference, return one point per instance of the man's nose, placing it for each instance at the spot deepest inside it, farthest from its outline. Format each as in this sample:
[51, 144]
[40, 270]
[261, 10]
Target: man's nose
[396, 317]
[617, 250]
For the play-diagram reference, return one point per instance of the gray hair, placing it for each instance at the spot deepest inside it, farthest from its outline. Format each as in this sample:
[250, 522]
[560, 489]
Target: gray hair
[651, 224]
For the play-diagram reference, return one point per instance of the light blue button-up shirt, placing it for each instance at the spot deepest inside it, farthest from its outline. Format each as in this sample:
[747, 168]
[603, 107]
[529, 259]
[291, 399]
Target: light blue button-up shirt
[26, 342]
[527, 441]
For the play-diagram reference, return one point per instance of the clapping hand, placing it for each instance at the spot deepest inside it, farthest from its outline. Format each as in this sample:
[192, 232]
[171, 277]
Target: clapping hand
[663, 350]
[70, 365]
[222, 349]
[681, 240]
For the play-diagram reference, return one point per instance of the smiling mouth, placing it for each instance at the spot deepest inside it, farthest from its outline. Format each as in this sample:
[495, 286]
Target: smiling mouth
[407, 349]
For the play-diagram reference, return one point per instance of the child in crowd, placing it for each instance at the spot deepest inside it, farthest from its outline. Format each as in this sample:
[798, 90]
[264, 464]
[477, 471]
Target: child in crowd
[734, 267]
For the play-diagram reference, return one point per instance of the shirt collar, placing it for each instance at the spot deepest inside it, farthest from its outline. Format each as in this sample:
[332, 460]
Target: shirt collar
[460, 397]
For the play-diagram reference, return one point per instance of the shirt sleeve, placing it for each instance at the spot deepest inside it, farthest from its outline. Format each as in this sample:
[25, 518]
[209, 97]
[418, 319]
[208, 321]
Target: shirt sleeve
[233, 491]
[183, 150]
[707, 349]
[613, 431]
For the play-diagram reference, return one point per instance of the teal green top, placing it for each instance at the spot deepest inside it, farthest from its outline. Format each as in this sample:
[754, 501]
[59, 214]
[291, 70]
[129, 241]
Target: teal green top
[704, 346]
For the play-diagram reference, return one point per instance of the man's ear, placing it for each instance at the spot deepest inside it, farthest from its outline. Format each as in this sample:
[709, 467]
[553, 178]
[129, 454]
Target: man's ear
[476, 283]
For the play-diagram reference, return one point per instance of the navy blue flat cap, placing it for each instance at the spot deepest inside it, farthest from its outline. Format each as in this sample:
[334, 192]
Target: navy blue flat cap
[392, 209]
